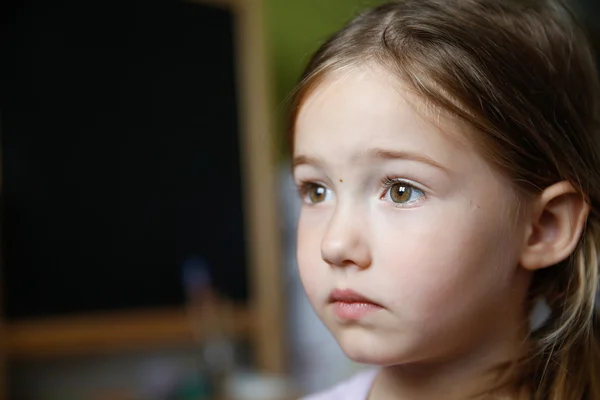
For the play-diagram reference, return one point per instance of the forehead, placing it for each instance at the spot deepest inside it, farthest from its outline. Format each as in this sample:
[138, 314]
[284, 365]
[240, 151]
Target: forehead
[367, 106]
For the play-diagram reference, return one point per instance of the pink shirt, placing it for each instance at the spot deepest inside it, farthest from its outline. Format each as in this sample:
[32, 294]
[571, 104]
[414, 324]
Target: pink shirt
[355, 388]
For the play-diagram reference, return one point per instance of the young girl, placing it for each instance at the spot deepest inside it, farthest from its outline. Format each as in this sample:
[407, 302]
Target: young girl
[447, 156]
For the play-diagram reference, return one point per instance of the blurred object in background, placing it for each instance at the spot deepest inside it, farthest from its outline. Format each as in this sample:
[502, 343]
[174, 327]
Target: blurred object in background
[153, 376]
[253, 386]
[161, 375]
[589, 12]
[208, 318]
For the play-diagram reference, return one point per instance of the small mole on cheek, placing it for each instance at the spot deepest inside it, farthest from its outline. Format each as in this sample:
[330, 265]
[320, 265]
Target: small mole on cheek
[341, 180]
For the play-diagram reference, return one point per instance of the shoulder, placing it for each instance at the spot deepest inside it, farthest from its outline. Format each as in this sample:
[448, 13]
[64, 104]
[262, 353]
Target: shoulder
[355, 388]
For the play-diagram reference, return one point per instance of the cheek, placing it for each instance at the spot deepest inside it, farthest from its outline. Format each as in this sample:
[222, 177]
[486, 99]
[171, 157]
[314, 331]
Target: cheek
[311, 267]
[444, 261]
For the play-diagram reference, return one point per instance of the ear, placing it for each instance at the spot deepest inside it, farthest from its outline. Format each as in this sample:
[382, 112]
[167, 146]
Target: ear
[558, 218]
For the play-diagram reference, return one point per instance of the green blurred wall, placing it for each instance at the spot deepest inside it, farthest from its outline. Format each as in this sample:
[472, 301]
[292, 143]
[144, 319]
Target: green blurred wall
[295, 29]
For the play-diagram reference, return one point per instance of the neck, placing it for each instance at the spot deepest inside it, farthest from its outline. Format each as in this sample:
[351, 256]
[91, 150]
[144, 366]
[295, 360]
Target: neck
[437, 382]
[475, 375]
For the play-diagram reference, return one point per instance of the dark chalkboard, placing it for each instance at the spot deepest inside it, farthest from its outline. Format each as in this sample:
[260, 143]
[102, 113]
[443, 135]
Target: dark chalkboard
[120, 155]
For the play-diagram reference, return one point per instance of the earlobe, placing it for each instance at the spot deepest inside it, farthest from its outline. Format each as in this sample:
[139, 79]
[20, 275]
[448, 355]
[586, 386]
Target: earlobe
[557, 223]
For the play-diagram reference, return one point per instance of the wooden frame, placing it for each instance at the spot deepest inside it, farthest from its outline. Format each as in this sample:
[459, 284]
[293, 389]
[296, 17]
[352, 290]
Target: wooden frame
[112, 333]
[262, 322]
[259, 176]
[265, 259]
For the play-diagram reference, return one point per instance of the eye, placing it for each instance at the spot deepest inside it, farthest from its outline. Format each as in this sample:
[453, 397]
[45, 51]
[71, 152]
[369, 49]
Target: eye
[401, 192]
[313, 193]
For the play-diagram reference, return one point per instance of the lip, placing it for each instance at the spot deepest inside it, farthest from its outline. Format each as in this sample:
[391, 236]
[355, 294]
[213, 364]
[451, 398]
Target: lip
[349, 305]
[349, 296]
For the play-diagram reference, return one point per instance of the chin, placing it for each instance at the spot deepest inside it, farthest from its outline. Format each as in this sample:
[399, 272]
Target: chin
[366, 347]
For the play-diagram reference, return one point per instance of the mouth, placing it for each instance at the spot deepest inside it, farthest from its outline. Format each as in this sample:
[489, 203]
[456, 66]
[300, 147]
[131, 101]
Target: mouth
[349, 305]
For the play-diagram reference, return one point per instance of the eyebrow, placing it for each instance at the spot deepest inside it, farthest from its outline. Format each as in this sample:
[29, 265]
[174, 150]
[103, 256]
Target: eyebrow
[301, 159]
[378, 153]
[404, 155]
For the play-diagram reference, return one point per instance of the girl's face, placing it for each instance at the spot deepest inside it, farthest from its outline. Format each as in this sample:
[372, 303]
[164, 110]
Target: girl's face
[408, 242]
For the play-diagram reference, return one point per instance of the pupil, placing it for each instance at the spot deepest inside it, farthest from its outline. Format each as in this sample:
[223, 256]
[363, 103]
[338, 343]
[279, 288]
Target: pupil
[317, 194]
[401, 194]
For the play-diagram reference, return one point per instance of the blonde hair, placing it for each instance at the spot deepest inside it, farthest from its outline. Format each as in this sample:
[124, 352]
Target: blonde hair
[522, 73]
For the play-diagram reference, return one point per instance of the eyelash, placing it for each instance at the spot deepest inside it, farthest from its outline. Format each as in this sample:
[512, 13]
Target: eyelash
[387, 182]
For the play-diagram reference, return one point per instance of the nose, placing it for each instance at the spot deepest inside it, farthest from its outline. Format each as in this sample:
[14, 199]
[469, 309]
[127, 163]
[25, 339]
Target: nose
[345, 242]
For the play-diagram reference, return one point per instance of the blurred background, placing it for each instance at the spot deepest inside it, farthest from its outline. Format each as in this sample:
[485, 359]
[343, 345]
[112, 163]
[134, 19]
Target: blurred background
[148, 215]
